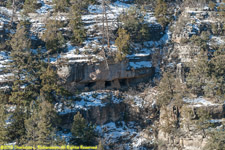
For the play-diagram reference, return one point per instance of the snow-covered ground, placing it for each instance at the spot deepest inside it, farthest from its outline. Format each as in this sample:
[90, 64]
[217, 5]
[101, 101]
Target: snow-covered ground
[86, 100]
[166, 37]
[141, 64]
[135, 100]
[199, 102]
[45, 8]
[119, 132]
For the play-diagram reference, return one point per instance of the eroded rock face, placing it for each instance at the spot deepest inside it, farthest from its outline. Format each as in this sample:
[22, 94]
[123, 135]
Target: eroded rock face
[186, 135]
[101, 75]
[97, 115]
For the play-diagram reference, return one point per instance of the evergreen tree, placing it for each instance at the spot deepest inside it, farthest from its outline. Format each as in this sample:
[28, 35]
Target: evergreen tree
[53, 37]
[50, 89]
[206, 75]
[81, 5]
[77, 26]
[198, 74]
[203, 122]
[3, 126]
[20, 40]
[31, 125]
[82, 132]
[170, 90]
[161, 13]
[29, 6]
[215, 85]
[61, 5]
[4, 97]
[46, 124]
[19, 66]
[49, 85]
[133, 22]
[16, 129]
[122, 43]
[216, 140]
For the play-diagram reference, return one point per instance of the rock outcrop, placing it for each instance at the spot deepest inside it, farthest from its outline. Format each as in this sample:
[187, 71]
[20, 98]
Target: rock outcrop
[186, 134]
[109, 75]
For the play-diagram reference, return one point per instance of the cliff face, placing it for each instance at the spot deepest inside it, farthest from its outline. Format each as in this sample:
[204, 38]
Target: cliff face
[106, 74]
[188, 134]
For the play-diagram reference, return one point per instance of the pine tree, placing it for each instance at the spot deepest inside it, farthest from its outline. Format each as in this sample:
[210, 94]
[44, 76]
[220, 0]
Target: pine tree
[61, 5]
[46, 124]
[133, 22]
[161, 13]
[81, 5]
[170, 90]
[16, 129]
[49, 87]
[82, 132]
[53, 37]
[122, 42]
[198, 74]
[216, 140]
[3, 126]
[29, 6]
[215, 85]
[203, 122]
[20, 40]
[4, 97]
[20, 54]
[31, 125]
[76, 25]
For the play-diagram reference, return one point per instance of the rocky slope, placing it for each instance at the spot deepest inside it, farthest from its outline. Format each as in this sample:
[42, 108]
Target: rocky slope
[111, 97]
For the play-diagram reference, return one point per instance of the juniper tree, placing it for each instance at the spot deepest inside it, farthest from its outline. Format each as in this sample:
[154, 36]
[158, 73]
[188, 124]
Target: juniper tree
[20, 40]
[206, 75]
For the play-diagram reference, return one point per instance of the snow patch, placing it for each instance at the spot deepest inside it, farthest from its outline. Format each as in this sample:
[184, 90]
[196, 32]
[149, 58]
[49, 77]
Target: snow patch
[198, 102]
[141, 64]
[86, 100]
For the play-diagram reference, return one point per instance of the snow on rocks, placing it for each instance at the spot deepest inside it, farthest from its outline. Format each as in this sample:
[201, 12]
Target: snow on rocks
[120, 132]
[135, 101]
[45, 8]
[86, 100]
[217, 40]
[75, 54]
[166, 37]
[141, 64]
[113, 132]
[199, 102]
